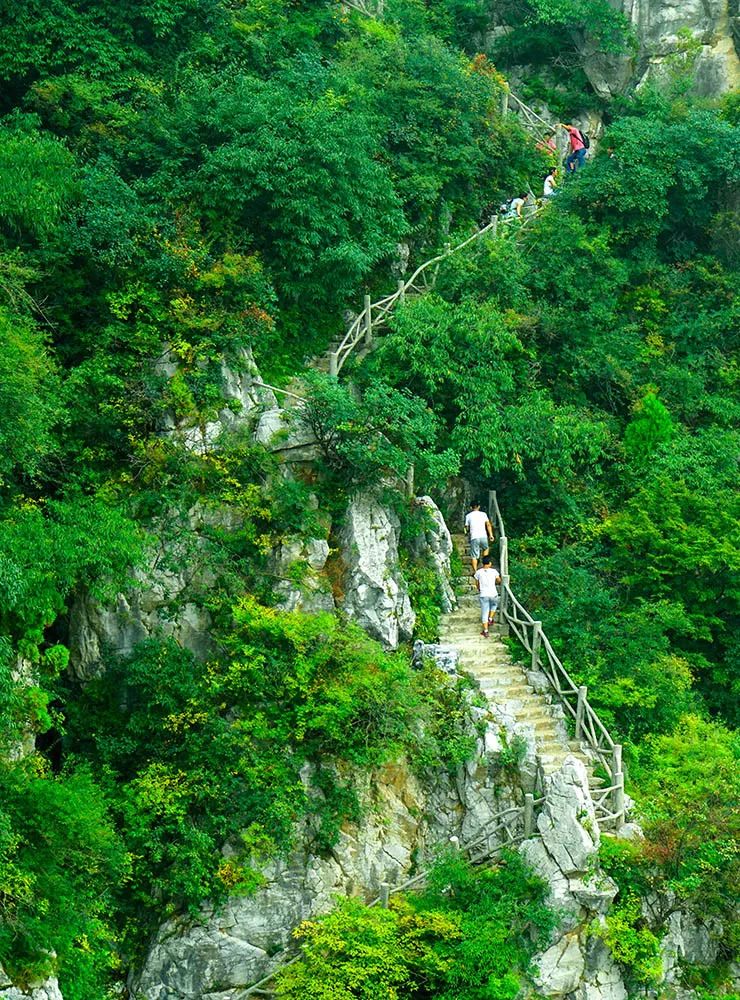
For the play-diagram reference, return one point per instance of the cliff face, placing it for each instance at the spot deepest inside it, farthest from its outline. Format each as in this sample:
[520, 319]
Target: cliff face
[664, 29]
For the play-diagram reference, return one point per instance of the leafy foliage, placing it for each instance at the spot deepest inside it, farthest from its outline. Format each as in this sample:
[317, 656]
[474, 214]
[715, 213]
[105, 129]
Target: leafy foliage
[188, 180]
[196, 755]
[470, 935]
[60, 859]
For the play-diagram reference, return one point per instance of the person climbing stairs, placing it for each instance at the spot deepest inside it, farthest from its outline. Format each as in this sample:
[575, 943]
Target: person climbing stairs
[502, 680]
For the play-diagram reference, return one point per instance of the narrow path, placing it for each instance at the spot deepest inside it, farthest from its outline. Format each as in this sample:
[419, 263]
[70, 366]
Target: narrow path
[502, 680]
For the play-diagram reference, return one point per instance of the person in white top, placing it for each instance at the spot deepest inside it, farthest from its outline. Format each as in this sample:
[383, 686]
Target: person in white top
[486, 579]
[479, 532]
[549, 187]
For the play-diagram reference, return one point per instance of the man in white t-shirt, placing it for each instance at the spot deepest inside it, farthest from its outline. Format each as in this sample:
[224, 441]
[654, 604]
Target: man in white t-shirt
[486, 579]
[479, 532]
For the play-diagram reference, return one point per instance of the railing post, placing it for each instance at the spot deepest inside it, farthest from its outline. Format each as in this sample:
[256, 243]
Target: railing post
[536, 640]
[580, 709]
[504, 601]
[492, 508]
[333, 363]
[401, 290]
[448, 247]
[505, 102]
[368, 322]
[410, 480]
[618, 800]
[494, 224]
[616, 758]
[385, 892]
[455, 843]
[504, 556]
[528, 814]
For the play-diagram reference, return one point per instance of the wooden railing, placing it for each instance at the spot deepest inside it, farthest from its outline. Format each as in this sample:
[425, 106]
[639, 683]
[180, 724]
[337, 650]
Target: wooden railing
[510, 826]
[589, 730]
[376, 314]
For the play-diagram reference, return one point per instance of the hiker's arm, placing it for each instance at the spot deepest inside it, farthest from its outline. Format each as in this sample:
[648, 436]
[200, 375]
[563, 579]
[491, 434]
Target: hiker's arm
[489, 530]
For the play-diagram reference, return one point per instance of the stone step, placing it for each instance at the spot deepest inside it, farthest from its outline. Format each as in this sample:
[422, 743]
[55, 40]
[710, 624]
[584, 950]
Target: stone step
[500, 672]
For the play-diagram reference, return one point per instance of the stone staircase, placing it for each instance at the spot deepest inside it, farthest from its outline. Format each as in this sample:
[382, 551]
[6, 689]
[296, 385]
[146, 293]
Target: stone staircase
[502, 680]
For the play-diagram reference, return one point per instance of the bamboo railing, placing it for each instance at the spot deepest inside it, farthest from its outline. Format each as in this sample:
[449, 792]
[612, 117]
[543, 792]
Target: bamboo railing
[509, 826]
[589, 730]
[376, 314]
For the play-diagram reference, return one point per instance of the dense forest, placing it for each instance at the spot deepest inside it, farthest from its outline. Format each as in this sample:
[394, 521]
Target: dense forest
[188, 183]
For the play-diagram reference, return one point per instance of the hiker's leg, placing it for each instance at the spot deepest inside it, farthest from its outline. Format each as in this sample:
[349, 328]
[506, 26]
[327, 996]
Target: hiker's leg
[485, 603]
[475, 551]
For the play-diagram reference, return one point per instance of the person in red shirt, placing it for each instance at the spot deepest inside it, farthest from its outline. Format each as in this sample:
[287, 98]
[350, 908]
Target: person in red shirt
[577, 155]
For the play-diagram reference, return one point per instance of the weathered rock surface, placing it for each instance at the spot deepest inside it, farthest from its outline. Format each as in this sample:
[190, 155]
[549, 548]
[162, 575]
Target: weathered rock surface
[435, 545]
[156, 604]
[244, 400]
[285, 434]
[47, 990]
[688, 940]
[561, 967]
[306, 590]
[661, 28]
[375, 593]
[403, 819]
[567, 821]
[602, 979]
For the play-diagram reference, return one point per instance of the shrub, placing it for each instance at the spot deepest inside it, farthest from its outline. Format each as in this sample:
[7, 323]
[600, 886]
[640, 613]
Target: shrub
[470, 935]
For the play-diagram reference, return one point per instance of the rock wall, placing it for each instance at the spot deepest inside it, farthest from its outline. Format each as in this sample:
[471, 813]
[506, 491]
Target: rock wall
[46, 990]
[435, 547]
[404, 818]
[245, 399]
[658, 26]
[374, 593]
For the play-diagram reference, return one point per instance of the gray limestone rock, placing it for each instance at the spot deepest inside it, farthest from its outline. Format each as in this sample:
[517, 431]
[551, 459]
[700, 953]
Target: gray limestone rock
[602, 979]
[570, 912]
[307, 591]
[560, 968]
[375, 593]
[403, 820]
[688, 939]
[567, 821]
[244, 399]
[150, 607]
[47, 990]
[436, 545]
[659, 26]
[596, 893]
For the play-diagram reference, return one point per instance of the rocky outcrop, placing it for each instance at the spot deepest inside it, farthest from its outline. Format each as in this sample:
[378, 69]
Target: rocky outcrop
[46, 990]
[374, 591]
[560, 968]
[688, 940]
[662, 29]
[567, 822]
[575, 963]
[297, 566]
[164, 599]
[245, 398]
[404, 818]
[434, 547]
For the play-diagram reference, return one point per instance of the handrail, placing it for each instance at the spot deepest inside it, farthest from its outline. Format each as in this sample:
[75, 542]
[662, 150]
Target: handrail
[525, 813]
[374, 314]
[589, 729]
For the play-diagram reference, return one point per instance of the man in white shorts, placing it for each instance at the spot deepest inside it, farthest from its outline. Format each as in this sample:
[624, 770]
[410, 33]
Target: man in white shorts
[486, 579]
[479, 532]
